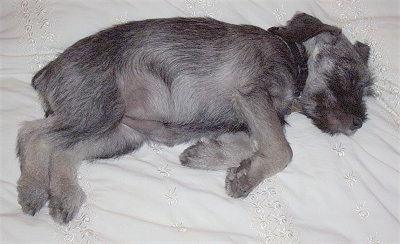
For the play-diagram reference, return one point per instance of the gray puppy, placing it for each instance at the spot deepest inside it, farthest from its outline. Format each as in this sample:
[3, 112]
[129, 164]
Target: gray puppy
[174, 80]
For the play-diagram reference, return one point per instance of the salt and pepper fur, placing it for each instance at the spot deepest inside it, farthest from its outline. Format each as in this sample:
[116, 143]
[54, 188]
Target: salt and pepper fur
[180, 79]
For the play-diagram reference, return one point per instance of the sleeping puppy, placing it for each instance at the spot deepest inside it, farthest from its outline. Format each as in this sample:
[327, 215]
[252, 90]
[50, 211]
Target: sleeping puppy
[174, 80]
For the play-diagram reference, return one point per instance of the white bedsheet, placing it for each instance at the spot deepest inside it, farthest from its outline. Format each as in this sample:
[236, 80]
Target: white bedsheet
[336, 190]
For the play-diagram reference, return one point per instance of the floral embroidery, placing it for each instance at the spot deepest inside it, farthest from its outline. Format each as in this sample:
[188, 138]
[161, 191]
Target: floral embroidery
[280, 13]
[179, 226]
[164, 171]
[37, 31]
[157, 148]
[121, 19]
[171, 196]
[269, 216]
[339, 148]
[78, 231]
[373, 239]
[362, 210]
[351, 178]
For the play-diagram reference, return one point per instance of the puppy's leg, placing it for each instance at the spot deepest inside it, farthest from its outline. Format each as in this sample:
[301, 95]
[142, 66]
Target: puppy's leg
[66, 196]
[33, 151]
[273, 151]
[219, 153]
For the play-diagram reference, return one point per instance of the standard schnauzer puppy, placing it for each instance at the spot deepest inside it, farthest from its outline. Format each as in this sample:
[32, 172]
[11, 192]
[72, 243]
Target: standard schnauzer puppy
[174, 80]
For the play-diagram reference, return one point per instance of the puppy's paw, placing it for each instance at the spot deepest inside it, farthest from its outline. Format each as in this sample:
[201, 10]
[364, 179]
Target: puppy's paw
[237, 182]
[203, 155]
[65, 205]
[190, 156]
[32, 194]
[206, 155]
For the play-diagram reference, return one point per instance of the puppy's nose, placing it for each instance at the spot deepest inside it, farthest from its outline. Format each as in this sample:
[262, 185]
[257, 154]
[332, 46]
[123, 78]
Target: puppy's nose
[357, 123]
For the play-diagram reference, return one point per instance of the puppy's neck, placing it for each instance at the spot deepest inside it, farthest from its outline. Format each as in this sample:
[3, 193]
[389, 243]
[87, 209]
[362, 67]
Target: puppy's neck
[300, 58]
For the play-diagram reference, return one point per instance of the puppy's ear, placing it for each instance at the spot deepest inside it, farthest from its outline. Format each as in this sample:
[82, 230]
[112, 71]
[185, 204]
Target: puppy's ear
[303, 27]
[362, 50]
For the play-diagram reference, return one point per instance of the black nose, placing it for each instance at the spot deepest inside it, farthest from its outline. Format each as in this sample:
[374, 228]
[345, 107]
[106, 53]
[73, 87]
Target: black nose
[357, 123]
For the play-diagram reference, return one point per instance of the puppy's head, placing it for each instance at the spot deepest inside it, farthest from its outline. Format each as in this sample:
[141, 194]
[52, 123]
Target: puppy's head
[339, 78]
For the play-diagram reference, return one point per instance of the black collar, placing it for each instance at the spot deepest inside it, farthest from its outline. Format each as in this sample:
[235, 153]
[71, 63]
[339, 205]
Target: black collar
[300, 61]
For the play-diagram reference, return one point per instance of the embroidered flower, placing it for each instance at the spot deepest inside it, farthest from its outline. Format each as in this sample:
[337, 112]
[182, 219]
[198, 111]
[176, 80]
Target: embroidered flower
[269, 191]
[362, 210]
[270, 219]
[351, 178]
[268, 236]
[258, 208]
[179, 226]
[122, 18]
[171, 196]
[274, 205]
[339, 148]
[157, 148]
[264, 224]
[281, 219]
[279, 14]
[68, 237]
[164, 171]
[87, 234]
[373, 239]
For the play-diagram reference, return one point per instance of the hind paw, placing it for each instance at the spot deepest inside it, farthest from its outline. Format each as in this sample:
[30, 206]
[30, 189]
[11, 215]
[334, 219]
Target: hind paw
[32, 195]
[65, 205]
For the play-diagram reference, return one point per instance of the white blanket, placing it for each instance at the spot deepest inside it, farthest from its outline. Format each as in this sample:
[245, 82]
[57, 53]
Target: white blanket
[336, 190]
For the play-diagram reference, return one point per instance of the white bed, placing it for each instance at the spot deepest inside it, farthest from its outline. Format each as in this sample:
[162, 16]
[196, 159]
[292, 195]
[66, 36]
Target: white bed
[336, 190]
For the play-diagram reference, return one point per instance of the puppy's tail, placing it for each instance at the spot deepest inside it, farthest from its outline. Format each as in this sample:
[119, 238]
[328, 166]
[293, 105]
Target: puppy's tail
[38, 83]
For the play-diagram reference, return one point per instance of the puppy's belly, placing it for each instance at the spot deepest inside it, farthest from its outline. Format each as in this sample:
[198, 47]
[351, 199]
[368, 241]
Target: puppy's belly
[156, 131]
[171, 134]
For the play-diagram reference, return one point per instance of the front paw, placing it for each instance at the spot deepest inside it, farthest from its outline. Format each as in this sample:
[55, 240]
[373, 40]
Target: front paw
[65, 205]
[237, 182]
[32, 194]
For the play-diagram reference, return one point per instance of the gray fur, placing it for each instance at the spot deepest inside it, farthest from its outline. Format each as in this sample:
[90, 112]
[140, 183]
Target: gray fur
[342, 79]
[176, 80]
[220, 153]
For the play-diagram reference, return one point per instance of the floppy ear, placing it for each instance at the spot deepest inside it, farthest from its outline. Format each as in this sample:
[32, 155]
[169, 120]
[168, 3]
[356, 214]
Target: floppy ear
[362, 50]
[303, 27]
